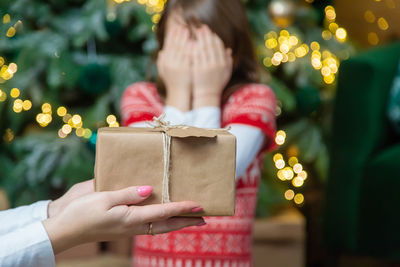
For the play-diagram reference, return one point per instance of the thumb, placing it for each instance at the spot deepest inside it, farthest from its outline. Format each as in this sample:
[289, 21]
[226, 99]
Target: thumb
[128, 196]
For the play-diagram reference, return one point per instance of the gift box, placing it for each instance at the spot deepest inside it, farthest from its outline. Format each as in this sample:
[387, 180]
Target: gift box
[180, 162]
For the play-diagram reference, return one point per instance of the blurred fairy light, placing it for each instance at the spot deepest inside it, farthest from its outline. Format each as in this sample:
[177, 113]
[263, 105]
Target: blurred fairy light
[373, 38]
[112, 121]
[383, 24]
[44, 118]
[326, 62]
[333, 28]
[7, 71]
[87, 133]
[287, 48]
[390, 4]
[17, 107]
[6, 19]
[287, 173]
[291, 171]
[27, 105]
[14, 93]
[280, 164]
[369, 16]
[80, 132]
[341, 34]
[12, 30]
[303, 175]
[277, 157]
[297, 182]
[298, 199]
[280, 137]
[3, 96]
[61, 111]
[8, 135]
[289, 194]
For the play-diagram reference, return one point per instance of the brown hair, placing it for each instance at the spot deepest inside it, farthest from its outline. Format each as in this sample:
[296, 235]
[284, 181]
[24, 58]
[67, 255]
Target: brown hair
[226, 18]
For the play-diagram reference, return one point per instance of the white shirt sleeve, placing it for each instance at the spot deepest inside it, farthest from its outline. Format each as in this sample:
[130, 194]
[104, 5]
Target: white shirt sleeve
[26, 246]
[12, 219]
[205, 117]
[249, 141]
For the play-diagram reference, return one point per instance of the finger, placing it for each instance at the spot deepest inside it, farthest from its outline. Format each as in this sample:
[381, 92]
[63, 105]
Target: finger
[210, 47]
[219, 48]
[170, 37]
[177, 39]
[196, 57]
[174, 224]
[182, 44]
[186, 54]
[161, 212]
[89, 184]
[128, 196]
[81, 189]
[202, 47]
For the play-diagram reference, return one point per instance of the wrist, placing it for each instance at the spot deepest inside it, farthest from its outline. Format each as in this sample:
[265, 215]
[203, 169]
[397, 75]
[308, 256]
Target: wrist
[206, 100]
[179, 99]
[61, 236]
[52, 208]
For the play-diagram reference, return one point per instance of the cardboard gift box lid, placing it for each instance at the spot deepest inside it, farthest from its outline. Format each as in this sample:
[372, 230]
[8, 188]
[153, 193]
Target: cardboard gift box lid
[201, 168]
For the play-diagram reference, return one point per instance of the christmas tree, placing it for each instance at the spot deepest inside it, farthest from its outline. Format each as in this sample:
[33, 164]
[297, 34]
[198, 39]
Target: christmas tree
[64, 66]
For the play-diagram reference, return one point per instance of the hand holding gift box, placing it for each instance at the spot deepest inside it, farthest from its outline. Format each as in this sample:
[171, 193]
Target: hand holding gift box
[180, 162]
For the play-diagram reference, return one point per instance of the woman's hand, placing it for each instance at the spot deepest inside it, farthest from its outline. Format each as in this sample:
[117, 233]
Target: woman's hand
[173, 65]
[103, 216]
[76, 191]
[211, 70]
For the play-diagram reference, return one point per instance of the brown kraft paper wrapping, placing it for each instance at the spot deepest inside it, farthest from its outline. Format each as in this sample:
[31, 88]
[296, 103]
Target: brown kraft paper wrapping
[202, 165]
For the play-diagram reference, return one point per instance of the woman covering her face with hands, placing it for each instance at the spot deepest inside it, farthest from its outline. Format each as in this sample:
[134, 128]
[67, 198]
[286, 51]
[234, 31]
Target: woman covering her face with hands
[207, 77]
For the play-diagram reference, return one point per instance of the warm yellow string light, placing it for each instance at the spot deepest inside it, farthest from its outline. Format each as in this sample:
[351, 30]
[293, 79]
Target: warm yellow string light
[71, 122]
[287, 48]
[291, 171]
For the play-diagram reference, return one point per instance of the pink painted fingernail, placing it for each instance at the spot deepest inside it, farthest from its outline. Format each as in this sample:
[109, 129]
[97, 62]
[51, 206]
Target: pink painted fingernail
[197, 209]
[144, 191]
[201, 224]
